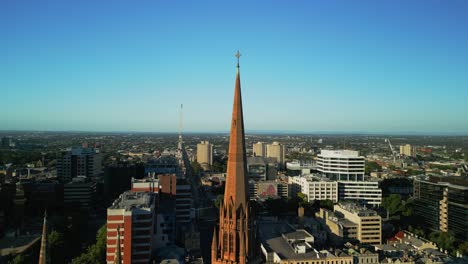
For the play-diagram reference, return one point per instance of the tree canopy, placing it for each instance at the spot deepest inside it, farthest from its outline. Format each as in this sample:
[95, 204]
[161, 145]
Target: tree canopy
[392, 203]
[96, 253]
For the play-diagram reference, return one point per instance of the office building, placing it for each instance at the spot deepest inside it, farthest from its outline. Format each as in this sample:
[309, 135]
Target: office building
[363, 192]
[165, 230]
[184, 202]
[314, 188]
[277, 151]
[261, 168]
[344, 165]
[80, 192]
[442, 204]
[205, 154]
[147, 184]
[167, 185]
[369, 222]
[118, 176]
[408, 150]
[130, 228]
[301, 165]
[343, 230]
[234, 237]
[79, 162]
[259, 149]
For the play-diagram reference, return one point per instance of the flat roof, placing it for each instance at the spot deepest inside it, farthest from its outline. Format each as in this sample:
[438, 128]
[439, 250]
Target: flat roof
[128, 200]
[340, 153]
[271, 237]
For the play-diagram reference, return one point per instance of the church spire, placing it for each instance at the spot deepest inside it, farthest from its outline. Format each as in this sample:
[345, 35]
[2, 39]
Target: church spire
[233, 242]
[44, 254]
[236, 180]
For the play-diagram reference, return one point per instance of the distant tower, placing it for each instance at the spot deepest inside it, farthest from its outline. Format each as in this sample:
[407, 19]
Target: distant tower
[44, 257]
[234, 240]
[181, 120]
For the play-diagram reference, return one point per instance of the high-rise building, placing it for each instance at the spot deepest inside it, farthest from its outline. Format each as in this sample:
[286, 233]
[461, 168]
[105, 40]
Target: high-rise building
[80, 192]
[79, 162]
[132, 215]
[184, 202]
[118, 176]
[369, 222]
[345, 165]
[234, 239]
[408, 150]
[278, 151]
[167, 185]
[364, 192]
[442, 205]
[261, 168]
[259, 149]
[205, 154]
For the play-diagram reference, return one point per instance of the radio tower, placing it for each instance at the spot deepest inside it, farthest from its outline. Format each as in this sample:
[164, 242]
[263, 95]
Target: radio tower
[181, 116]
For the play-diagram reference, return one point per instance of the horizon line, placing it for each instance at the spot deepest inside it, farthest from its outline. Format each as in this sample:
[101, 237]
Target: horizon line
[255, 132]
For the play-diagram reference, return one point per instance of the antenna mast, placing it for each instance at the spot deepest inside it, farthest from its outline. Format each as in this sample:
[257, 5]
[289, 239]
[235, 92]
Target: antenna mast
[181, 120]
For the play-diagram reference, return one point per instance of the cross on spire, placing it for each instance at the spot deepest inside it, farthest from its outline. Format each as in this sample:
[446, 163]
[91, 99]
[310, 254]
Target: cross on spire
[238, 56]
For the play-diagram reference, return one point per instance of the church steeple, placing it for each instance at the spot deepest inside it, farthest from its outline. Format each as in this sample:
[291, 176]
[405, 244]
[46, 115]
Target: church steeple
[233, 242]
[44, 257]
[236, 180]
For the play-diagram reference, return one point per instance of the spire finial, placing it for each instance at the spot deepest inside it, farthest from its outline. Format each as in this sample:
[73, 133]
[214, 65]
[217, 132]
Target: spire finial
[238, 56]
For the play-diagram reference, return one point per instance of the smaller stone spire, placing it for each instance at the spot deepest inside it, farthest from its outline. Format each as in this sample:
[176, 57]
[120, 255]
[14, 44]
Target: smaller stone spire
[214, 245]
[44, 254]
[118, 255]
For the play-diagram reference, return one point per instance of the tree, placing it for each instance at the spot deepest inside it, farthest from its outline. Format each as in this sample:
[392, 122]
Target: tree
[407, 208]
[96, 253]
[444, 240]
[302, 199]
[19, 259]
[327, 204]
[57, 247]
[372, 166]
[392, 203]
[463, 248]
[417, 231]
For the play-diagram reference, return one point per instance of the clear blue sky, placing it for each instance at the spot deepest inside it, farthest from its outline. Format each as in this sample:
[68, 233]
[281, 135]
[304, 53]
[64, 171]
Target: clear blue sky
[309, 66]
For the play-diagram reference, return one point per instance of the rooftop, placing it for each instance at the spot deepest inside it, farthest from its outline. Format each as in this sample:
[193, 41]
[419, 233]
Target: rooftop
[129, 200]
[289, 243]
[340, 153]
[356, 209]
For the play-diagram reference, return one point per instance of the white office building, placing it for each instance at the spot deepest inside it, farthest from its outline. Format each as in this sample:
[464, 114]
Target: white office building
[366, 192]
[345, 165]
[315, 188]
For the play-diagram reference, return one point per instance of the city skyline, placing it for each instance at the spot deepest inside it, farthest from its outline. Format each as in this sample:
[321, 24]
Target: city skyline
[393, 68]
